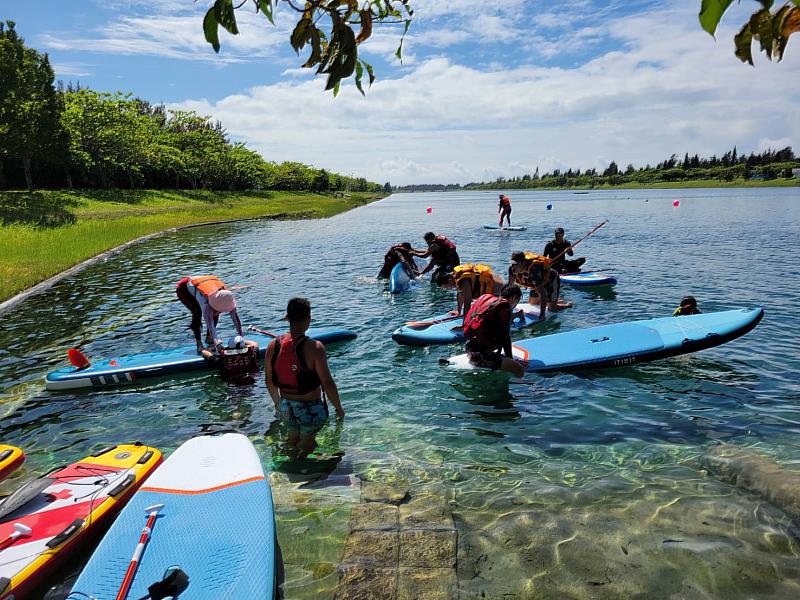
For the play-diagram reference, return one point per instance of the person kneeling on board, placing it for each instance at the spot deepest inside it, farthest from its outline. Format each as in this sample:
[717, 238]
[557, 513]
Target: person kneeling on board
[296, 372]
[504, 208]
[443, 256]
[237, 360]
[559, 247]
[688, 307]
[472, 281]
[487, 329]
[207, 298]
[399, 253]
[535, 273]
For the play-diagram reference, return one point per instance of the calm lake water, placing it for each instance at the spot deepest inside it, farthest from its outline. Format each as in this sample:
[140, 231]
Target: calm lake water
[567, 486]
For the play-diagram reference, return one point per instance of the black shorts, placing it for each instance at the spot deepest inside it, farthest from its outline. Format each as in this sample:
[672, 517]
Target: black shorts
[480, 356]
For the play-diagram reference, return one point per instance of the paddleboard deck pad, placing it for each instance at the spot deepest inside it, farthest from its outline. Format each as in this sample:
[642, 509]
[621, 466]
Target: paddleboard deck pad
[64, 509]
[588, 279]
[128, 369]
[450, 332]
[11, 458]
[216, 525]
[624, 344]
[512, 228]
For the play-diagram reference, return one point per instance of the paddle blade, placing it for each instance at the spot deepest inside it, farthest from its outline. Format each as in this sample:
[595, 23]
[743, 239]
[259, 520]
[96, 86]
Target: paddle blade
[78, 359]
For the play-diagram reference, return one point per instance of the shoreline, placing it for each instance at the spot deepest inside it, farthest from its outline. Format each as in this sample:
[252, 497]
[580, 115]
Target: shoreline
[660, 185]
[45, 284]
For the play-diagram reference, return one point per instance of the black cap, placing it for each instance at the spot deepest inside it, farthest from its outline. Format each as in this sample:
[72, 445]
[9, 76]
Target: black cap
[559, 230]
[688, 301]
[298, 309]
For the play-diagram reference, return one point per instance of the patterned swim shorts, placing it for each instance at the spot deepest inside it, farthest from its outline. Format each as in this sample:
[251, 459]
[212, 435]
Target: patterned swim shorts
[306, 415]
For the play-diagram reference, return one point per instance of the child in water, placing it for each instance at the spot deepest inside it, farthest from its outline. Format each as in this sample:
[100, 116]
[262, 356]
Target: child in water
[688, 307]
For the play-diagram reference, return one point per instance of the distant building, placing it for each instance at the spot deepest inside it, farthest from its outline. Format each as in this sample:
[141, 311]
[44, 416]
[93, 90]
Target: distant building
[796, 173]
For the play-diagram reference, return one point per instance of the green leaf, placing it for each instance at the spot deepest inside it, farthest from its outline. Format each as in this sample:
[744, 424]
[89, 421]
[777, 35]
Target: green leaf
[210, 29]
[761, 26]
[223, 11]
[743, 41]
[265, 6]
[336, 89]
[359, 74]
[711, 12]
[399, 53]
[371, 73]
[316, 49]
[301, 32]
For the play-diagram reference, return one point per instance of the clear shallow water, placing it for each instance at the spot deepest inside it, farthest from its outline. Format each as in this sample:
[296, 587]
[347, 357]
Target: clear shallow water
[584, 486]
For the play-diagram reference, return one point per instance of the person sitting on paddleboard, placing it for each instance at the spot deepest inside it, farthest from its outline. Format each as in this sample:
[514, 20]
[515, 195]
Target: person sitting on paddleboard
[688, 307]
[399, 253]
[296, 372]
[472, 281]
[559, 247]
[487, 329]
[504, 208]
[535, 273]
[443, 256]
[207, 298]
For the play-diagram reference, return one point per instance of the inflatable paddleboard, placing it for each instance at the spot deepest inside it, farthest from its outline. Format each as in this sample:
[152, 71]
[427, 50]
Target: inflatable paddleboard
[514, 228]
[61, 510]
[399, 279]
[128, 369]
[450, 332]
[11, 458]
[588, 279]
[216, 524]
[630, 343]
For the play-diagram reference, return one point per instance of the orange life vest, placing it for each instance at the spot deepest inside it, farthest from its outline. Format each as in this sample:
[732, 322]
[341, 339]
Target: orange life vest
[207, 284]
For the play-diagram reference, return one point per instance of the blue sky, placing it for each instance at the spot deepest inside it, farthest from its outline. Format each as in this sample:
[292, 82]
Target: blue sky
[486, 89]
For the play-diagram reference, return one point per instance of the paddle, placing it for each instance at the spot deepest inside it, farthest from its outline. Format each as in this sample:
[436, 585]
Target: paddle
[570, 247]
[20, 530]
[78, 359]
[418, 325]
[262, 331]
[152, 513]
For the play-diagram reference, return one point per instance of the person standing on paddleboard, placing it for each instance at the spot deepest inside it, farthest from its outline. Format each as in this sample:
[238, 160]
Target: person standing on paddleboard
[443, 256]
[487, 329]
[207, 298]
[296, 372]
[504, 208]
[559, 247]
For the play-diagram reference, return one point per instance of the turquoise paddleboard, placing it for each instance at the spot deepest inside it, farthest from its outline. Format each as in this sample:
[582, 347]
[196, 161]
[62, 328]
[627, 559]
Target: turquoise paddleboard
[588, 279]
[448, 331]
[628, 343]
[400, 281]
[128, 369]
[497, 227]
[216, 524]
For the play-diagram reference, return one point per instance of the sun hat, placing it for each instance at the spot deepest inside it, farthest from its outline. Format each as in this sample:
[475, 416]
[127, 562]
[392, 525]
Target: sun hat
[222, 301]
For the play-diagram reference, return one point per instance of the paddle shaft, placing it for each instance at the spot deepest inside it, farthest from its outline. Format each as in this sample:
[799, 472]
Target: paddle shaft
[425, 324]
[571, 246]
[262, 331]
[122, 594]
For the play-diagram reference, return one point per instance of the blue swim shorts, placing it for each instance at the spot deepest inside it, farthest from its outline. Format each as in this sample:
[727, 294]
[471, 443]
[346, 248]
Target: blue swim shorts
[306, 415]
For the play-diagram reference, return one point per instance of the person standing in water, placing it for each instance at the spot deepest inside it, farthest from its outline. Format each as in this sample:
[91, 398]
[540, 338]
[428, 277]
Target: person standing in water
[296, 373]
[443, 256]
[207, 298]
[504, 209]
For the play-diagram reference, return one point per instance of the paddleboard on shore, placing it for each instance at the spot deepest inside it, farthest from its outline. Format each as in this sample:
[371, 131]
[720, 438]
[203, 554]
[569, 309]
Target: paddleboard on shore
[50, 518]
[449, 330]
[129, 369]
[11, 458]
[215, 523]
[513, 228]
[588, 279]
[630, 343]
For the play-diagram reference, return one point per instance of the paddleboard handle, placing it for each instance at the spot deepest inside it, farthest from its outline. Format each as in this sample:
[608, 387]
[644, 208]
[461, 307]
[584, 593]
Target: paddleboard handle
[152, 513]
[20, 530]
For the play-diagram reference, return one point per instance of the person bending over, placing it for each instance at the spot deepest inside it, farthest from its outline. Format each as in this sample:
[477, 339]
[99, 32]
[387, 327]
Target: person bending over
[207, 298]
[399, 253]
[472, 281]
[559, 247]
[487, 329]
[296, 372]
[535, 273]
[443, 256]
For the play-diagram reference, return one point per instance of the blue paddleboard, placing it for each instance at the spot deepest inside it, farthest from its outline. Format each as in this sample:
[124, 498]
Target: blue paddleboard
[216, 525]
[588, 279]
[628, 343]
[514, 228]
[399, 279]
[450, 332]
[128, 369]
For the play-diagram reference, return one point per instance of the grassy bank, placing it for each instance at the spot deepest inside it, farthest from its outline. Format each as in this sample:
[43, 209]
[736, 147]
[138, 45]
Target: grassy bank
[44, 233]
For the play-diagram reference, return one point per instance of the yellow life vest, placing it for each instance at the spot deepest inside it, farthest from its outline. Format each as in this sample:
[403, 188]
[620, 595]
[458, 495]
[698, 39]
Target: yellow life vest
[479, 275]
[534, 261]
[207, 284]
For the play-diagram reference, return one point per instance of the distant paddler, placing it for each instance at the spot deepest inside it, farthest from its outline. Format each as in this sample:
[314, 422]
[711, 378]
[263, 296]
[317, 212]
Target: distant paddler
[443, 256]
[207, 298]
[536, 273]
[399, 253]
[504, 209]
[556, 250]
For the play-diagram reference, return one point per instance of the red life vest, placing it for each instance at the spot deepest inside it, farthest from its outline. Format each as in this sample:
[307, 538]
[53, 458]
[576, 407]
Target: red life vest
[483, 322]
[445, 242]
[505, 202]
[289, 370]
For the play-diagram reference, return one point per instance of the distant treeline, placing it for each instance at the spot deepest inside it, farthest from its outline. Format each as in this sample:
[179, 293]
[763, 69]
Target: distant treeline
[56, 137]
[770, 164]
